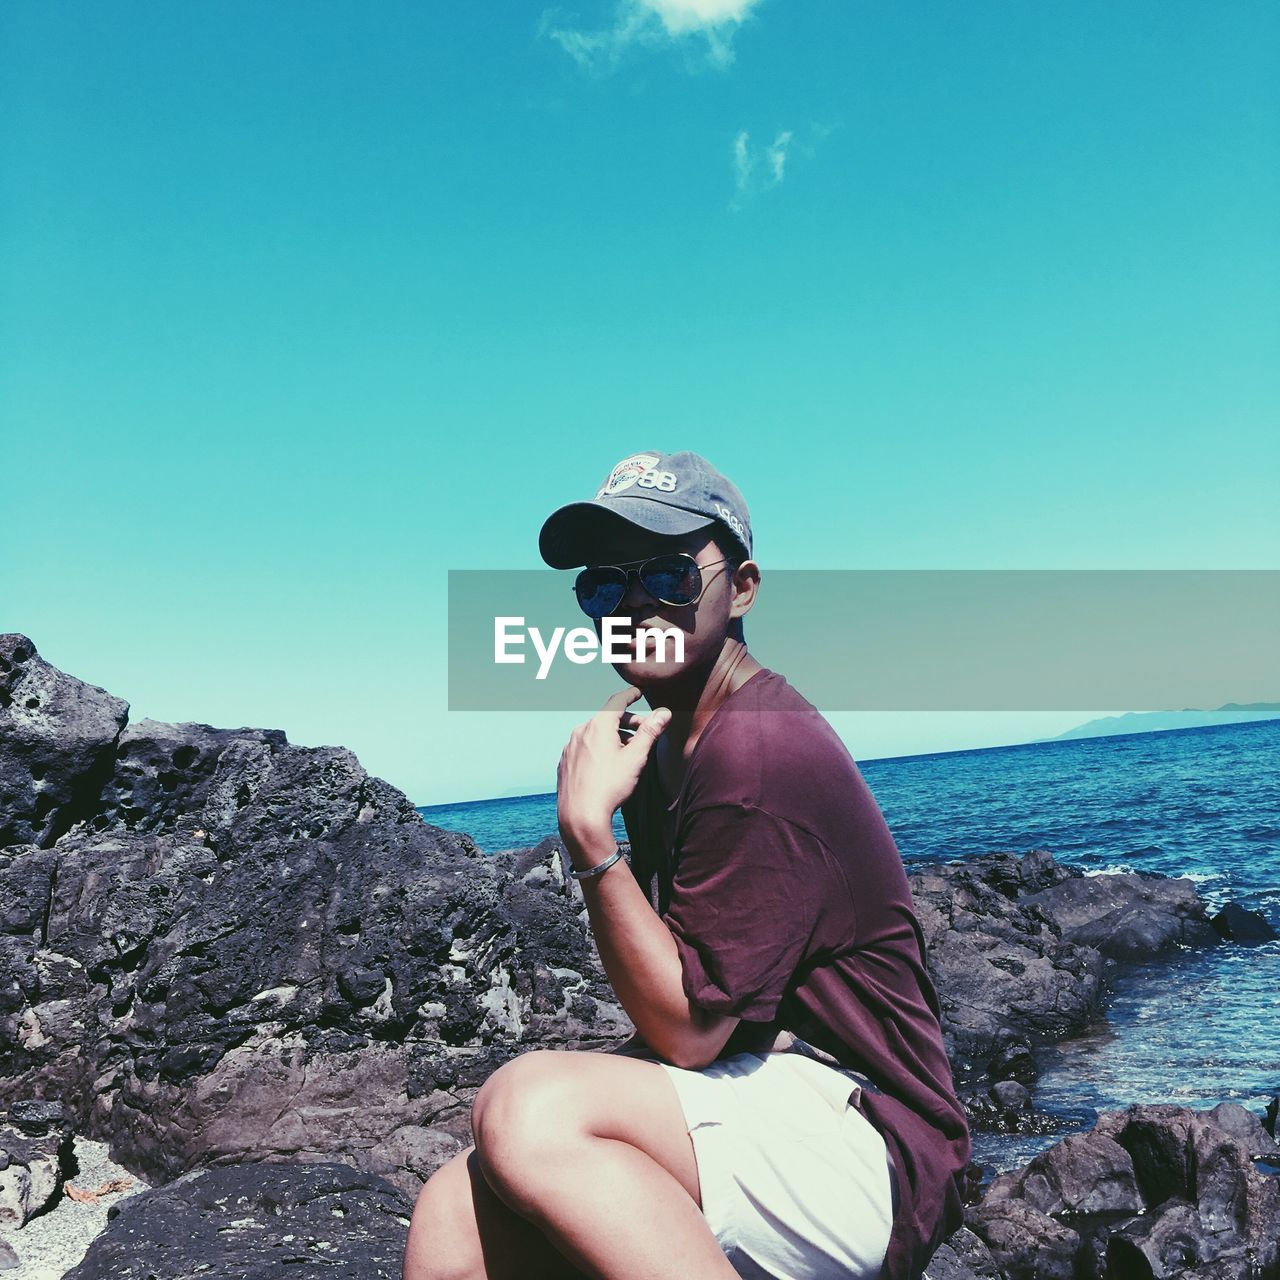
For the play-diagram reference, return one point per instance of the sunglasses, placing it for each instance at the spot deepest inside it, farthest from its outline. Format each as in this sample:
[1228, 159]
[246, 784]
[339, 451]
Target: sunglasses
[674, 578]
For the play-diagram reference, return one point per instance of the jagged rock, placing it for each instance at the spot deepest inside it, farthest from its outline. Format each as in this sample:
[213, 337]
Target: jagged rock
[216, 946]
[1238, 924]
[1081, 1174]
[1005, 978]
[1246, 1128]
[1127, 917]
[57, 741]
[1151, 1191]
[251, 950]
[962, 1256]
[1005, 1107]
[1173, 1243]
[1024, 1243]
[35, 1149]
[256, 1222]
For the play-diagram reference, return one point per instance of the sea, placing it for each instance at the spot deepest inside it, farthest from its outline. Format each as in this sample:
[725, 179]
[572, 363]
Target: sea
[1198, 1028]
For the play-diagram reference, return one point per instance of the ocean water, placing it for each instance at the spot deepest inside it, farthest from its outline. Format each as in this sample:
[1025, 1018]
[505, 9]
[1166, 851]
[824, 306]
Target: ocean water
[1197, 1029]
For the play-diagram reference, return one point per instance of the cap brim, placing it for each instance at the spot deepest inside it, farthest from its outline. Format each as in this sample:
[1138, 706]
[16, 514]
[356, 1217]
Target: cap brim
[570, 535]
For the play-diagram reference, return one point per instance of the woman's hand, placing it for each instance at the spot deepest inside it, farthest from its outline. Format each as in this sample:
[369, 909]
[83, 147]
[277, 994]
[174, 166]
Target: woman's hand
[598, 771]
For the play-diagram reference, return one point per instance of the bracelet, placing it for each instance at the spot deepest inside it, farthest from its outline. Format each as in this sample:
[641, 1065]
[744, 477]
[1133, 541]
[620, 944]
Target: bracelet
[599, 867]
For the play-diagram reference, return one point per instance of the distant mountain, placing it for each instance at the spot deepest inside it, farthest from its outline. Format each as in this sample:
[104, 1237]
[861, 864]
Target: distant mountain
[1190, 718]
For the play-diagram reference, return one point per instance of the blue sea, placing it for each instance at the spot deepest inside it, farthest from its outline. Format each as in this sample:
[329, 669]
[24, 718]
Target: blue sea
[1197, 1029]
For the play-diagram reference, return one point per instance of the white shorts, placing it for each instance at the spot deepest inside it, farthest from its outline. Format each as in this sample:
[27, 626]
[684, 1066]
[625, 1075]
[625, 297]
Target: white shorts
[796, 1182]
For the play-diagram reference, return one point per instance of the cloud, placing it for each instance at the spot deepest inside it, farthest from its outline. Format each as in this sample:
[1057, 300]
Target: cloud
[756, 170]
[743, 162]
[777, 154]
[653, 23]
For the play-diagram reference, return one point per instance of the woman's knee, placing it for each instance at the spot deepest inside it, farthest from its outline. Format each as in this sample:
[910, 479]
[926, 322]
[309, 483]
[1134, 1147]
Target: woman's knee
[522, 1117]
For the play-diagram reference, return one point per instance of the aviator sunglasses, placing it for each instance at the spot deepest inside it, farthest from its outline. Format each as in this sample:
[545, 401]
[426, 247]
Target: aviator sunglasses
[674, 578]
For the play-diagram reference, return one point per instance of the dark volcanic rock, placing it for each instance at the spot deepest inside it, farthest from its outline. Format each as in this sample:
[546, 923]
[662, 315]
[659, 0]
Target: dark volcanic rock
[1005, 1107]
[218, 947]
[1237, 924]
[35, 1153]
[960, 1256]
[1024, 1243]
[247, 949]
[57, 744]
[1005, 977]
[1152, 1191]
[256, 1222]
[1017, 946]
[1127, 917]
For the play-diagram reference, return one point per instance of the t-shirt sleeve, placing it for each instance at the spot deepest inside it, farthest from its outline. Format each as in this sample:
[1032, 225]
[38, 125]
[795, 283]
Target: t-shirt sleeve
[744, 907]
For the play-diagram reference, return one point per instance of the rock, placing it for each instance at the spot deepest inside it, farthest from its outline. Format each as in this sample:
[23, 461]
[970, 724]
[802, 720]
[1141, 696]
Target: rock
[1170, 1243]
[1024, 1243]
[1084, 1173]
[1005, 1107]
[1005, 978]
[9, 1260]
[1129, 916]
[1245, 1127]
[36, 1117]
[1009, 1095]
[962, 1256]
[243, 949]
[1238, 924]
[34, 1154]
[57, 745]
[1152, 1191]
[268, 1221]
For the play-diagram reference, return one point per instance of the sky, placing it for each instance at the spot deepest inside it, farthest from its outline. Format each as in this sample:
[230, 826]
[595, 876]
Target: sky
[304, 304]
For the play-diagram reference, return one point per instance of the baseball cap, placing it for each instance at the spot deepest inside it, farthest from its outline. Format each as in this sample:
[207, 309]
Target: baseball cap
[670, 493]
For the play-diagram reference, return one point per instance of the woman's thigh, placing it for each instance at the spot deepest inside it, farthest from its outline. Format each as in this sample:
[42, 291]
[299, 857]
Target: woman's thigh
[549, 1099]
[539, 1103]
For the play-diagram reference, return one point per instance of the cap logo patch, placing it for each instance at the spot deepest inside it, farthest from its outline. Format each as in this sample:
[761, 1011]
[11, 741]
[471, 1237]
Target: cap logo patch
[626, 473]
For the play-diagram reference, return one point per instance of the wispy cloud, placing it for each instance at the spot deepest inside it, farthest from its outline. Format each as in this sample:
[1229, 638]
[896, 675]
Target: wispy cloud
[777, 154]
[708, 24]
[758, 169]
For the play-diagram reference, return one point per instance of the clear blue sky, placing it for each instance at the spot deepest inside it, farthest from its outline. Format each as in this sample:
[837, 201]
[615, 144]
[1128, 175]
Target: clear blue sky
[304, 304]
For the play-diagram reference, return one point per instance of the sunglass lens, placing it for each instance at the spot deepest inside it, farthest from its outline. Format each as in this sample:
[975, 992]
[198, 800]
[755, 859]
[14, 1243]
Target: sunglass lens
[600, 590]
[673, 579]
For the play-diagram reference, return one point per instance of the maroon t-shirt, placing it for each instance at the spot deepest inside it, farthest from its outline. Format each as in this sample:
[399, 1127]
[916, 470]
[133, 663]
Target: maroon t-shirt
[779, 879]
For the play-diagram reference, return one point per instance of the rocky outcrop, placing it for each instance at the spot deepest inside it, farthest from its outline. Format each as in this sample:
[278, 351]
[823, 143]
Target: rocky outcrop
[1127, 917]
[1153, 1191]
[1235, 923]
[1019, 948]
[243, 949]
[271, 1222]
[35, 1148]
[1006, 977]
[216, 947]
[57, 745]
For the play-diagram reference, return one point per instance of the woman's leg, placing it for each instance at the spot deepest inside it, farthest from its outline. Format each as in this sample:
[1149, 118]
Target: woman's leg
[582, 1159]
[592, 1148]
[462, 1231]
